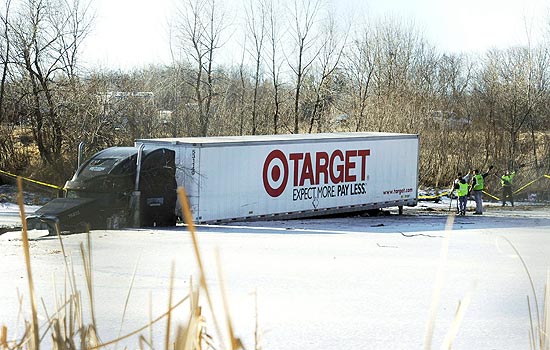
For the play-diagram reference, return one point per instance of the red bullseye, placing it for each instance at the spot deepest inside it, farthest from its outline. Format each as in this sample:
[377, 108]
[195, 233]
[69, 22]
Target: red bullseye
[276, 173]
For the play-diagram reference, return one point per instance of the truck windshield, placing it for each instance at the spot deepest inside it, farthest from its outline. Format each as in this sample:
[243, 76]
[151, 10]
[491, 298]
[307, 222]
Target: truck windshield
[114, 166]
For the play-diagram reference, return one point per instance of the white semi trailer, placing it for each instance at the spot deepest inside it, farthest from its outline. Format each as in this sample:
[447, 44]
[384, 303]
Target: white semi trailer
[290, 176]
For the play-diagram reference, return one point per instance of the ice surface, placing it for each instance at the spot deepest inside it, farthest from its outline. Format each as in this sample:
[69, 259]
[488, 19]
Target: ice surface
[338, 283]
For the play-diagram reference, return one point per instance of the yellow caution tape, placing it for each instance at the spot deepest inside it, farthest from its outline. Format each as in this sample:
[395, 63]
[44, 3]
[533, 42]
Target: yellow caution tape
[521, 188]
[528, 184]
[435, 196]
[31, 180]
[490, 195]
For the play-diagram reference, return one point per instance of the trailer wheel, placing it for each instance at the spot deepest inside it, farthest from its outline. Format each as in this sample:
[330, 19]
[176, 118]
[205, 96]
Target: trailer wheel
[374, 212]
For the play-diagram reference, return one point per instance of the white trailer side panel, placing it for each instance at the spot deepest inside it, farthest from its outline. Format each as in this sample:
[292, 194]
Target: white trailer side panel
[259, 177]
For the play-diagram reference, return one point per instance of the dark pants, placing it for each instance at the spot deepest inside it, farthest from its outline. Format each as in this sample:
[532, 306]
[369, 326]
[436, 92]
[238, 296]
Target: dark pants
[507, 195]
[462, 201]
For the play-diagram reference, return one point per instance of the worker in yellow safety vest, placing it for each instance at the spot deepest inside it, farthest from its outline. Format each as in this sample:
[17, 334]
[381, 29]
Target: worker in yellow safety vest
[462, 189]
[506, 181]
[478, 184]
[454, 187]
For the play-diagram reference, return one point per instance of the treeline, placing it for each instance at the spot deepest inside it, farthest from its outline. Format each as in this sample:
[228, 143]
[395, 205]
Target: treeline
[300, 71]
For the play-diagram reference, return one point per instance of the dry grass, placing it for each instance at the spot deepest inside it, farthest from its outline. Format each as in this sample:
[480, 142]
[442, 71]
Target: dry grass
[34, 336]
[66, 326]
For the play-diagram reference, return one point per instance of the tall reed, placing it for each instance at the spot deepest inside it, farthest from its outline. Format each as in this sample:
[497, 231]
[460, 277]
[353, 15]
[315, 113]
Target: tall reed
[66, 324]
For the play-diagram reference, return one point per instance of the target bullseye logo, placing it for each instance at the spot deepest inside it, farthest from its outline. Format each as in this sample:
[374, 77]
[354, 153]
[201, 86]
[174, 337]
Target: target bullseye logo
[311, 169]
[275, 173]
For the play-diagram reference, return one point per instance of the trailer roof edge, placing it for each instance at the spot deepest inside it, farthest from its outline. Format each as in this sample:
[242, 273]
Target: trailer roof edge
[269, 139]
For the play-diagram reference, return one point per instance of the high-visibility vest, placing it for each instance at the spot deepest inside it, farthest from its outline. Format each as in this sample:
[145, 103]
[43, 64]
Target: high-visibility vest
[462, 190]
[479, 182]
[506, 180]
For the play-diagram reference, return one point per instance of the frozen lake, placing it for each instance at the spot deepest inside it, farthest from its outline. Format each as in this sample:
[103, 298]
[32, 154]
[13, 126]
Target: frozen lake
[338, 283]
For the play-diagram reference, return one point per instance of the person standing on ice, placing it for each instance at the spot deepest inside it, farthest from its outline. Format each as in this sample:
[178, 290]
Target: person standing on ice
[462, 193]
[506, 181]
[478, 180]
[455, 186]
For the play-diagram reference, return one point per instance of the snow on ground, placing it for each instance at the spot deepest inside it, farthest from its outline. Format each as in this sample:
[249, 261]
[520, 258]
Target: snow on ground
[14, 208]
[336, 283]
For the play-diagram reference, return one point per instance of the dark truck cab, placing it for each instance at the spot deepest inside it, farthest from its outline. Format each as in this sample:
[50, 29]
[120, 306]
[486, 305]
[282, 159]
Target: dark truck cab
[117, 187]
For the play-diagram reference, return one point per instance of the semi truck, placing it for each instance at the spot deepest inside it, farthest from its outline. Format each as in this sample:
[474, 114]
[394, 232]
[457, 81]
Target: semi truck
[238, 178]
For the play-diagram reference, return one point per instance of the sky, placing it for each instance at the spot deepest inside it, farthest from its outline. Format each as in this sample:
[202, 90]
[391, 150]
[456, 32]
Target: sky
[134, 33]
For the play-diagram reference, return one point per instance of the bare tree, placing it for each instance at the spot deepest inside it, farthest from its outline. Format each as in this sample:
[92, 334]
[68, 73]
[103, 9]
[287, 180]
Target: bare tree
[333, 43]
[5, 55]
[539, 63]
[453, 108]
[256, 30]
[7, 149]
[242, 93]
[394, 45]
[273, 62]
[199, 29]
[510, 94]
[43, 34]
[359, 68]
[74, 30]
[304, 37]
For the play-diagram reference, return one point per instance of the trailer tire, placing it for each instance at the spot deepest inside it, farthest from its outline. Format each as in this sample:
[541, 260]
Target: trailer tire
[374, 212]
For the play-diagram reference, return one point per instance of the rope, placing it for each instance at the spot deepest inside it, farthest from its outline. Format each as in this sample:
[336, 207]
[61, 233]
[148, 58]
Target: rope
[529, 184]
[490, 195]
[31, 180]
[435, 196]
